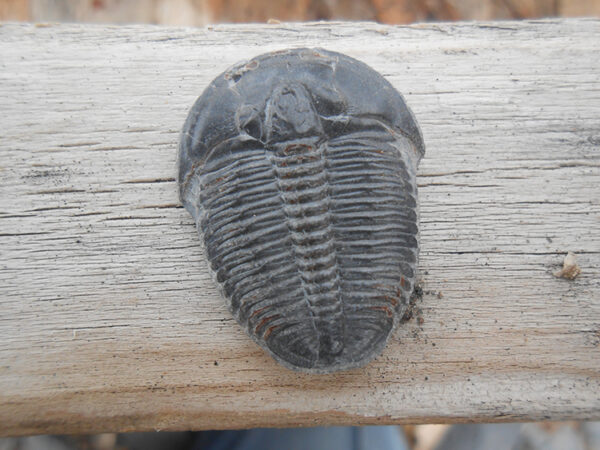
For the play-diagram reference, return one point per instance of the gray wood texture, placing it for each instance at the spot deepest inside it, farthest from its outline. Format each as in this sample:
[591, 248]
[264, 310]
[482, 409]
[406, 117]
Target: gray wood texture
[109, 320]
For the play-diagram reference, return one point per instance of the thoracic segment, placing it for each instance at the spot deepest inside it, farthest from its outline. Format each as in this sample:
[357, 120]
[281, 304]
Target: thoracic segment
[303, 182]
[374, 214]
[316, 256]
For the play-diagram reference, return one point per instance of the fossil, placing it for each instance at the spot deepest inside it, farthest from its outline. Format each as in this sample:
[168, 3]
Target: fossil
[299, 168]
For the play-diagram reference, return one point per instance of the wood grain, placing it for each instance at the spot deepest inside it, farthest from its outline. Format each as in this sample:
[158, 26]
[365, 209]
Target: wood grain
[109, 320]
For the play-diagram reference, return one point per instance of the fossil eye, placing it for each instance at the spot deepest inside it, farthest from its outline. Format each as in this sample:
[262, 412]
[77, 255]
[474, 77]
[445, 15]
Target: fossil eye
[303, 172]
[249, 121]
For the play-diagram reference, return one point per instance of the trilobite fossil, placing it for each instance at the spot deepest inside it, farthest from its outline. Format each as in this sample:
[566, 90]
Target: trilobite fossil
[299, 168]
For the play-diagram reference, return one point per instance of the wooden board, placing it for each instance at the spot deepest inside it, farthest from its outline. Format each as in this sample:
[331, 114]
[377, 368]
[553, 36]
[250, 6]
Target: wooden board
[109, 320]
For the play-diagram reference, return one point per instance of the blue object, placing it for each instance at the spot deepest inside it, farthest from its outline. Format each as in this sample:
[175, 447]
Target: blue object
[317, 438]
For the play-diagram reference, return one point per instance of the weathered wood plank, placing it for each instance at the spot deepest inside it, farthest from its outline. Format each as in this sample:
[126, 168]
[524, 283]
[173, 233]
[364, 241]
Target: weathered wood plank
[108, 317]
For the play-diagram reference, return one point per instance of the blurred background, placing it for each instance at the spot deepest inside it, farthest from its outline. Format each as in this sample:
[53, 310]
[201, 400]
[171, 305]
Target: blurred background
[547, 436]
[202, 12]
